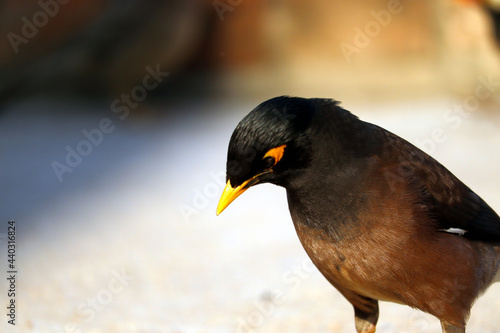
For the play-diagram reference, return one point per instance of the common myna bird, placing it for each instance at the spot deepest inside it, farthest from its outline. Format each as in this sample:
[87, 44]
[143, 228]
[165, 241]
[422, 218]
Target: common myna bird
[379, 218]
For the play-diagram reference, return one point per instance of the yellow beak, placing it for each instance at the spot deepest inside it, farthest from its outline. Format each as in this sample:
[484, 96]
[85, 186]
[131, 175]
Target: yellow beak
[230, 193]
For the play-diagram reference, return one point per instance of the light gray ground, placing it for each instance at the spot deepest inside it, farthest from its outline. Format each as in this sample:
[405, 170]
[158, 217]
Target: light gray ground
[109, 250]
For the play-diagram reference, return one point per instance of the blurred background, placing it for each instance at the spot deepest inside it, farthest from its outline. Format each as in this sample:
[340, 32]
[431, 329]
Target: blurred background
[114, 122]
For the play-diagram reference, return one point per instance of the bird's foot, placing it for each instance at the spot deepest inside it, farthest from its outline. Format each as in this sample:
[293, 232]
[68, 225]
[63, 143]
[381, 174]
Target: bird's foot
[364, 326]
[449, 328]
[365, 314]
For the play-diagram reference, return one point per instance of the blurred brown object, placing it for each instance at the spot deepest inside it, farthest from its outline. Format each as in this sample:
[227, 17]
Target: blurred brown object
[285, 31]
[33, 28]
[96, 47]
[319, 48]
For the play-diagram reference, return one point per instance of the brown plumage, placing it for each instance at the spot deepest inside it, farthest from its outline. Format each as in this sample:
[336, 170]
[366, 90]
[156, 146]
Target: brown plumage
[378, 217]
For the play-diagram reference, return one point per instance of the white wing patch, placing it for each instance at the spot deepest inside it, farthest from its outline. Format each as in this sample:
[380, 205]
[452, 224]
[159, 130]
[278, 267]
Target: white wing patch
[456, 231]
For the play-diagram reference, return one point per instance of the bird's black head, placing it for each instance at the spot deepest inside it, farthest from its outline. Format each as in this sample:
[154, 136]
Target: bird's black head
[269, 145]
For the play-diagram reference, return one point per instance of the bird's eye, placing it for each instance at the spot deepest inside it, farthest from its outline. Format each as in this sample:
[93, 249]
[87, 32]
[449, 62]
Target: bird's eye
[268, 162]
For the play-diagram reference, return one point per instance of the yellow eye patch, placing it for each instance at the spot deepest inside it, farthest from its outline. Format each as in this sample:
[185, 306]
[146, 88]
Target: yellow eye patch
[276, 153]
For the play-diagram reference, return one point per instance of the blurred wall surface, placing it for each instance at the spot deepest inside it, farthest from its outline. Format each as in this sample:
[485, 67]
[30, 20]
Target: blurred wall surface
[378, 45]
[361, 49]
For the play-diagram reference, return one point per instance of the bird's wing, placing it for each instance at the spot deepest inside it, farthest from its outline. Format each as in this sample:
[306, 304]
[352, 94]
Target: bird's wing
[467, 211]
[454, 205]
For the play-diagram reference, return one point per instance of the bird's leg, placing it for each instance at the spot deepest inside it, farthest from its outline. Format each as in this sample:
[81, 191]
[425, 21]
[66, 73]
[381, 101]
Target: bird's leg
[449, 328]
[366, 318]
